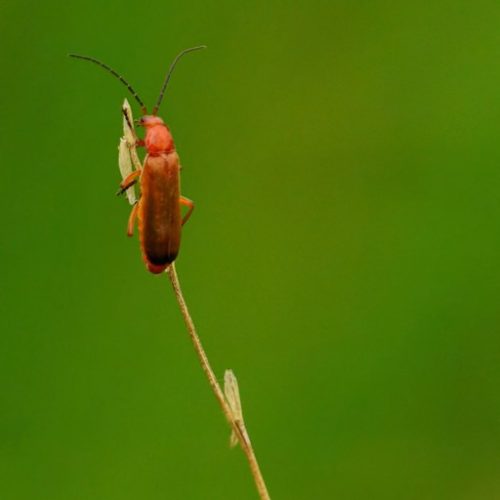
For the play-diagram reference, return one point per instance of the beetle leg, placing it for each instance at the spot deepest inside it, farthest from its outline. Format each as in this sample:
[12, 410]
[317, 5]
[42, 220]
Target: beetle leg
[128, 118]
[130, 180]
[133, 156]
[130, 126]
[131, 220]
[130, 135]
[187, 203]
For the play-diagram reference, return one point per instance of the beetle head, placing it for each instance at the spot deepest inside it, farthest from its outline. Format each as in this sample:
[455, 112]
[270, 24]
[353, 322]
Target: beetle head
[148, 121]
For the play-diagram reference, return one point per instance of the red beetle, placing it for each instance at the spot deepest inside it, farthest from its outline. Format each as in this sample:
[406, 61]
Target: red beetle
[159, 207]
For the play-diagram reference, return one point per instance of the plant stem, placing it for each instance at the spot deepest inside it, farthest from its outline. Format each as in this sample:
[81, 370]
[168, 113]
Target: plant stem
[236, 424]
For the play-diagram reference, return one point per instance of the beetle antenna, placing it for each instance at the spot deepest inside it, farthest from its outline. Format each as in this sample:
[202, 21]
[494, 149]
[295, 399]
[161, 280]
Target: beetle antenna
[169, 74]
[114, 73]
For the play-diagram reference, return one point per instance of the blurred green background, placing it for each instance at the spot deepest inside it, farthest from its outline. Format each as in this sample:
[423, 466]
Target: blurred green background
[342, 258]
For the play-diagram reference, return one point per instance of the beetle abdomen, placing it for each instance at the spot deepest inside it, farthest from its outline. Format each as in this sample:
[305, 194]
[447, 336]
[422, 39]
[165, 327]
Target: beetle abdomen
[159, 211]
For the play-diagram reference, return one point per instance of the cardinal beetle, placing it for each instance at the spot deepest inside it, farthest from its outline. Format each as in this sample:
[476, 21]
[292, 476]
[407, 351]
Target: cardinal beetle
[159, 207]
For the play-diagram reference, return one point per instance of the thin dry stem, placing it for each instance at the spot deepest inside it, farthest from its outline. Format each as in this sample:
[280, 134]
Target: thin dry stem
[237, 424]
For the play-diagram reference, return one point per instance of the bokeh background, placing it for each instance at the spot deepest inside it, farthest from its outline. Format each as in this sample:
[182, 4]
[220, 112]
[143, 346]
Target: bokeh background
[342, 258]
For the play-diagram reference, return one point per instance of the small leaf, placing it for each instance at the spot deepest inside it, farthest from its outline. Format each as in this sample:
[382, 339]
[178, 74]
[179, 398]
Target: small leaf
[232, 392]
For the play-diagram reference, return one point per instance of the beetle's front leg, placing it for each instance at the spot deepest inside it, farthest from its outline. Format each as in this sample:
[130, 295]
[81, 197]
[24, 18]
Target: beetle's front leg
[130, 135]
[133, 153]
[128, 127]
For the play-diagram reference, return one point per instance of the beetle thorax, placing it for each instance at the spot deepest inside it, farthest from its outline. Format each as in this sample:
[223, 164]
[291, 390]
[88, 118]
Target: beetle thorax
[158, 138]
